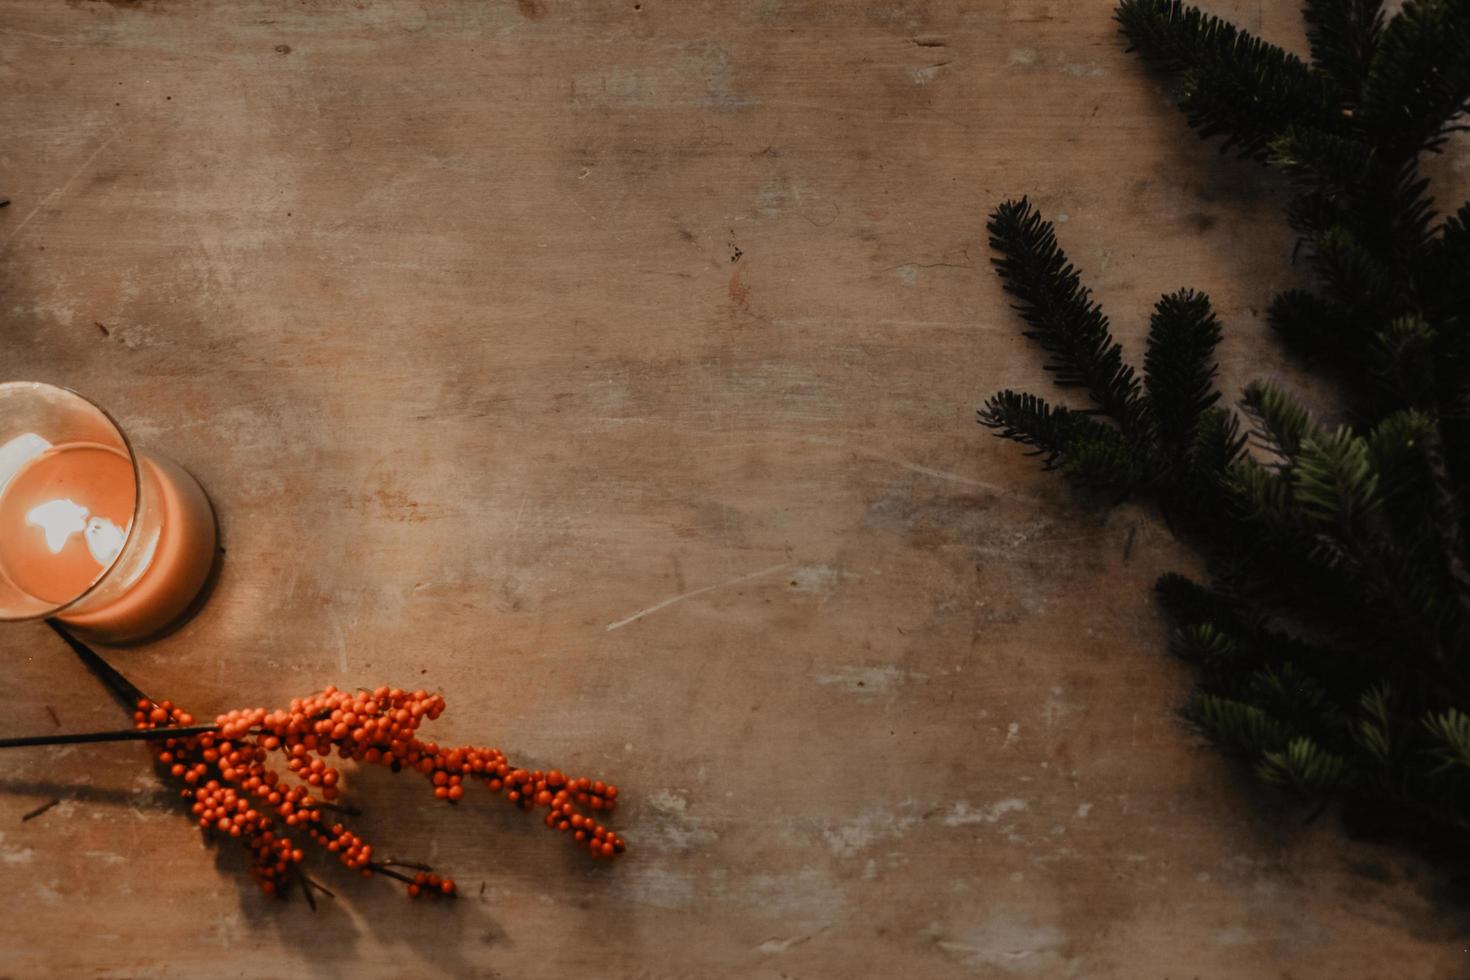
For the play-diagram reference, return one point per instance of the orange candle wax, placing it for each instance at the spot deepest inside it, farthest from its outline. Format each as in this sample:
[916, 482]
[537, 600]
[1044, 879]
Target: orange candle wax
[122, 555]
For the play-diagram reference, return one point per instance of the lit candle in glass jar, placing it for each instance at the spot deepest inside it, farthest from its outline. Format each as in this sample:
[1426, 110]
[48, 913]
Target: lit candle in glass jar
[92, 532]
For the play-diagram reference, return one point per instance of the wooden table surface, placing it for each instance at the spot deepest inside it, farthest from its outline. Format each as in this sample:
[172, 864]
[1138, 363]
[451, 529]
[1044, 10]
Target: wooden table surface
[611, 367]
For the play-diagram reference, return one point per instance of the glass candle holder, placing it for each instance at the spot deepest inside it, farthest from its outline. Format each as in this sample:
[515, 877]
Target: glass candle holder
[102, 537]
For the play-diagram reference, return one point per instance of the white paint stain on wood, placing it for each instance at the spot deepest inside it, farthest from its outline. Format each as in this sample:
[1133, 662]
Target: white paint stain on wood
[867, 681]
[692, 593]
[961, 814]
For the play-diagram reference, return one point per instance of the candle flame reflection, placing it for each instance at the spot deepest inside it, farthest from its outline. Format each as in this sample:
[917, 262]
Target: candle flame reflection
[17, 453]
[60, 519]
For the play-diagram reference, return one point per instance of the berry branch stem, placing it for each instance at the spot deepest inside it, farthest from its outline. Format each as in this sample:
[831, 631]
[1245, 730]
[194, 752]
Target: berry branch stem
[120, 735]
[224, 771]
[222, 768]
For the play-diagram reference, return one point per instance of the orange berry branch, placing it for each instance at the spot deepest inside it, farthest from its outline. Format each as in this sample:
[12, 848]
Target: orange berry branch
[235, 792]
[223, 770]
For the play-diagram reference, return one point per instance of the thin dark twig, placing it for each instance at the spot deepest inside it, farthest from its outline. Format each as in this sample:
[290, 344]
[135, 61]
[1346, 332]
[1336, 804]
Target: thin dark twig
[38, 811]
[406, 864]
[126, 692]
[385, 870]
[351, 811]
[122, 735]
[319, 886]
[306, 890]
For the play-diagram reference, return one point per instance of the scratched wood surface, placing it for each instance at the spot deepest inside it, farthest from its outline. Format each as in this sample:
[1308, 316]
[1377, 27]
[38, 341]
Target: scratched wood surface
[611, 367]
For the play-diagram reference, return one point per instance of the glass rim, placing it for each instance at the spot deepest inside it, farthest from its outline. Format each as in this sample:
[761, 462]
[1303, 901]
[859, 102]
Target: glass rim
[122, 434]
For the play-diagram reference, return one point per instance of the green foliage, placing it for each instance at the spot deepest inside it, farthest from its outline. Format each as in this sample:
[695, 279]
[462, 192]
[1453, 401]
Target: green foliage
[1419, 78]
[1234, 85]
[1303, 766]
[1339, 162]
[1081, 446]
[1344, 35]
[1179, 368]
[1060, 312]
[1153, 425]
[1332, 644]
[1310, 326]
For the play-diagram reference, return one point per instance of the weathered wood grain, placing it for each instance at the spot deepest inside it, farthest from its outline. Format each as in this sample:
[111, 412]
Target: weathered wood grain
[611, 366]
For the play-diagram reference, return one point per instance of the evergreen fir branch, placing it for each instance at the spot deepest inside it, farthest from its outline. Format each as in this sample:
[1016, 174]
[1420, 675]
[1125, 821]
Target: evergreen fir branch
[1446, 520]
[1337, 162]
[1398, 447]
[1332, 639]
[1282, 424]
[1225, 632]
[1443, 277]
[1290, 693]
[1303, 766]
[1350, 272]
[1179, 368]
[1178, 38]
[1195, 488]
[1374, 732]
[1081, 446]
[1188, 603]
[1335, 484]
[1419, 80]
[1455, 232]
[1402, 360]
[1249, 105]
[1236, 724]
[1217, 444]
[1104, 458]
[1409, 210]
[1029, 420]
[1217, 652]
[1450, 730]
[1317, 210]
[1061, 314]
[1264, 496]
[1344, 36]
[1378, 227]
[1235, 84]
[1423, 506]
[1311, 326]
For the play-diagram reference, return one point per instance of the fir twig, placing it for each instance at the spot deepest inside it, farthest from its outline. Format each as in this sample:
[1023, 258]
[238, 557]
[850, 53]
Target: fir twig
[1061, 315]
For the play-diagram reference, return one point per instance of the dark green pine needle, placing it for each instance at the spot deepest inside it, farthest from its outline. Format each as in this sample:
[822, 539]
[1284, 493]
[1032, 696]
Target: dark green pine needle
[1331, 644]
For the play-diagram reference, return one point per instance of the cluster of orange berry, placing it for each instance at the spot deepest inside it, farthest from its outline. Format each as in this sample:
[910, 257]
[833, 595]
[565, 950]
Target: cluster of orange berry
[236, 792]
[428, 883]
